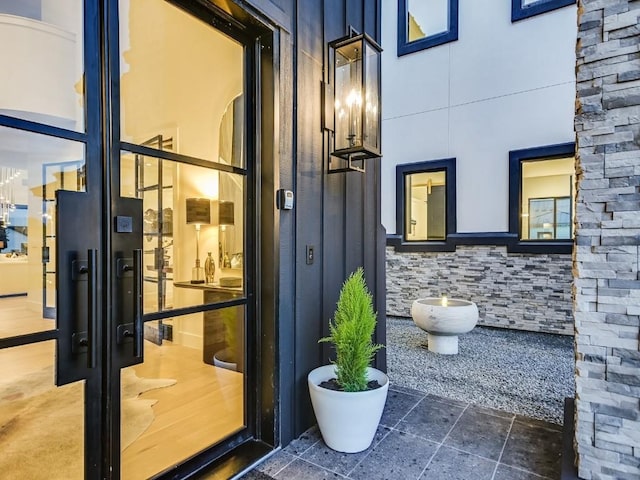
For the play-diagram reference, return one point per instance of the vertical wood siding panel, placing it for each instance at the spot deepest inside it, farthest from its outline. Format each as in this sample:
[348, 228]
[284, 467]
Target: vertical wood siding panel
[334, 193]
[374, 233]
[285, 304]
[354, 220]
[309, 185]
[338, 213]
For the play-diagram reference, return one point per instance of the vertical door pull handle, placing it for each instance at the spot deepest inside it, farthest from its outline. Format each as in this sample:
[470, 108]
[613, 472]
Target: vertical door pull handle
[92, 308]
[138, 325]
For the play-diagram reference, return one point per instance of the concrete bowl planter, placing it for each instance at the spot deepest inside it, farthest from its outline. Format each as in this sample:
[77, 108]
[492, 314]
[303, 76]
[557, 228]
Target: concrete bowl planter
[444, 320]
[347, 420]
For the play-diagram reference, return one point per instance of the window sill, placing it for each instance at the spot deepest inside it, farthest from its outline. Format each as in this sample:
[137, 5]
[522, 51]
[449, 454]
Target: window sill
[404, 48]
[508, 240]
[402, 245]
[548, 246]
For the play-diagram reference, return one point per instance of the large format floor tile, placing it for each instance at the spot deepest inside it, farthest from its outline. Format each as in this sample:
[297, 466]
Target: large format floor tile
[432, 418]
[399, 455]
[534, 447]
[451, 464]
[480, 433]
[424, 437]
[399, 403]
[342, 463]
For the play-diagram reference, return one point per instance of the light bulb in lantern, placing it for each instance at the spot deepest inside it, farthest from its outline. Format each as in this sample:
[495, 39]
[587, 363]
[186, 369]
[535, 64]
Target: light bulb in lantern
[445, 301]
[354, 98]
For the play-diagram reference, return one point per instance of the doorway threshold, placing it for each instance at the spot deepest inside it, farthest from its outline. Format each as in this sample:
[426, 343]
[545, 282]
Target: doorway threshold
[237, 462]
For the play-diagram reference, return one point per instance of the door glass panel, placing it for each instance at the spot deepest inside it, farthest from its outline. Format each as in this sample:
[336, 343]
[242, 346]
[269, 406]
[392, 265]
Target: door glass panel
[181, 400]
[42, 425]
[181, 74]
[48, 88]
[32, 168]
[193, 231]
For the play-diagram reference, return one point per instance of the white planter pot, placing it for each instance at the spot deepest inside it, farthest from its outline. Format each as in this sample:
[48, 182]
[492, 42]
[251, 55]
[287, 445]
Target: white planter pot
[219, 362]
[347, 420]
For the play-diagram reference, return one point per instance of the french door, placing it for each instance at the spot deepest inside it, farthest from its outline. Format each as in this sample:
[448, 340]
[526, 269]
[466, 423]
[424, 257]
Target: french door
[126, 265]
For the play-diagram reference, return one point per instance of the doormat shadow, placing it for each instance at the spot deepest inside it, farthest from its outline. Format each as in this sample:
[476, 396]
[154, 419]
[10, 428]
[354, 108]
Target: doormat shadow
[42, 427]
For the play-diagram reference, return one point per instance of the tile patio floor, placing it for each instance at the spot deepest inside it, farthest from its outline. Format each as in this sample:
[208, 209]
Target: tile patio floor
[429, 438]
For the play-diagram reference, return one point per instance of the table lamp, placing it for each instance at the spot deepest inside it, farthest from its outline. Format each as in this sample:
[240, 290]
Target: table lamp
[226, 219]
[198, 213]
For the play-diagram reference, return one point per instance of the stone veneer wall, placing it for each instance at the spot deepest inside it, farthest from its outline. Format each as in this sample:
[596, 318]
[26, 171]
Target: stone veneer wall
[519, 291]
[607, 284]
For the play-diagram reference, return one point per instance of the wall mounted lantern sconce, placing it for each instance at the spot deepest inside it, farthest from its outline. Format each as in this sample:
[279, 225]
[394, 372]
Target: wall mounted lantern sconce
[198, 213]
[352, 102]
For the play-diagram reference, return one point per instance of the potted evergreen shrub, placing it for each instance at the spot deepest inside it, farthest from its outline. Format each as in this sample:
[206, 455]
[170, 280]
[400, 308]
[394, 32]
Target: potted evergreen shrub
[348, 396]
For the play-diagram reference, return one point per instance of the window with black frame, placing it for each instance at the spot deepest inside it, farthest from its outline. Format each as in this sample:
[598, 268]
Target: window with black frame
[424, 25]
[546, 209]
[426, 200]
[541, 198]
[521, 9]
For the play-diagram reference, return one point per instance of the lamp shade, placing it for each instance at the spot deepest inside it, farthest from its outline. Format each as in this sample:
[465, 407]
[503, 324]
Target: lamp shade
[226, 213]
[199, 211]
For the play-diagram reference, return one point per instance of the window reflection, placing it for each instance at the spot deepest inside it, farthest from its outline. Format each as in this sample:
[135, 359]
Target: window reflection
[426, 18]
[193, 218]
[183, 75]
[547, 206]
[426, 206]
[48, 88]
[32, 168]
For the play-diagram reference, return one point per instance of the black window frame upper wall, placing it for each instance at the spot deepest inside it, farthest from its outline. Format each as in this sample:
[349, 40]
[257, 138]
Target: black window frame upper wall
[405, 46]
[516, 158]
[448, 165]
[521, 12]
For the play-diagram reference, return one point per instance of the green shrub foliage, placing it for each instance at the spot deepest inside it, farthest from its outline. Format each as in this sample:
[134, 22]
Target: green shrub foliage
[351, 331]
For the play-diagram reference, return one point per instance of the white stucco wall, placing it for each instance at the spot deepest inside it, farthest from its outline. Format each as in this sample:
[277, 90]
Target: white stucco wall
[501, 86]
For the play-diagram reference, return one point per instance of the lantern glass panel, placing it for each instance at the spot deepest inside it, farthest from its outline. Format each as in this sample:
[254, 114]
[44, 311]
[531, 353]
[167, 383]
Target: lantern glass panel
[372, 99]
[348, 96]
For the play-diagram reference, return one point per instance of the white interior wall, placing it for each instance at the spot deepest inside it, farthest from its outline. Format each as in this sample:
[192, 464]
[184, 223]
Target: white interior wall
[499, 87]
[431, 16]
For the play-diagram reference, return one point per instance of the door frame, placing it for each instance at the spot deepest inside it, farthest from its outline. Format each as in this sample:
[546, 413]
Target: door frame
[90, 138]
[102, 152]
[259, 398]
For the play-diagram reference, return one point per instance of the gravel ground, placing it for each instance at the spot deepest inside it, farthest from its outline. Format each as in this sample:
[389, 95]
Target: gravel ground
[515, 371]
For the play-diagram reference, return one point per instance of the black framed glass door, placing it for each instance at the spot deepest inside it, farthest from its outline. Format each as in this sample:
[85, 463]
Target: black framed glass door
[51, 245]
[180, 172]
[126, 257]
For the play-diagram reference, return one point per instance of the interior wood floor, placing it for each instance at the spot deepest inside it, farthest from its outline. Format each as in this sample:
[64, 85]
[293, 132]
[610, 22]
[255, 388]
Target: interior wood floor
[15, 319]
[204, 406]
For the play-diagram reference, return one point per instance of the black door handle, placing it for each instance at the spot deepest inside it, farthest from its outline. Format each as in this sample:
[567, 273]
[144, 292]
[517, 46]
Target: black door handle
[135, 329]
[86, 341]
[78, 291]
[92, 308]
[138, 325]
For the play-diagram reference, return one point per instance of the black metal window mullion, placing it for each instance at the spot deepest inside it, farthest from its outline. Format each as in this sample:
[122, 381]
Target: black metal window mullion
[148, 317]
[43, 129]
[180, 158]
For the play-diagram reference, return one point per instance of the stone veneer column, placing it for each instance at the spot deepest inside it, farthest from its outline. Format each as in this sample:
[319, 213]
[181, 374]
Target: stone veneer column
[606, 281]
